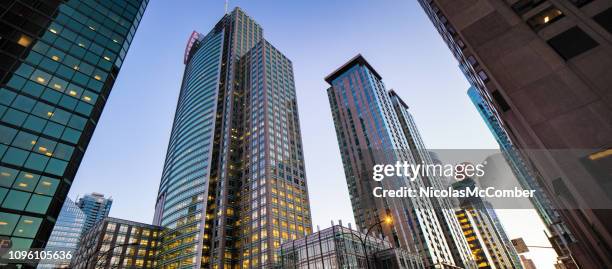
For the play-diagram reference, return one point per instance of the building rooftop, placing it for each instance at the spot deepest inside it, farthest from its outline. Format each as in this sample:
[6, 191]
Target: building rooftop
[394, 94]
[357, 60]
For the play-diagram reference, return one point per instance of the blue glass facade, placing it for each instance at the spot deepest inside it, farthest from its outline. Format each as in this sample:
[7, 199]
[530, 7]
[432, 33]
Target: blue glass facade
[520, 169]
[66, 233]
[185, 180]
[58, 63]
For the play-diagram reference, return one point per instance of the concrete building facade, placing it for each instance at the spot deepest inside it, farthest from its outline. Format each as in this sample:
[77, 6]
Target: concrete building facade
[544, 67]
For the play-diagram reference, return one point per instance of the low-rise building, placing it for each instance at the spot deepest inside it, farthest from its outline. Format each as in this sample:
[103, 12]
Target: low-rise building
[343, 247]
[118, 243]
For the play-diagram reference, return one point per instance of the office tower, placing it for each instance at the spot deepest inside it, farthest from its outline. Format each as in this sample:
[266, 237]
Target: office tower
[343, 247]
[58, 63]
[444, 206]
[472, 234]
[233, 185]
[483, 217]
[96, 207]
[66, 234]
[543, 66]
[369, 132]
[118, 243]
[526, 176]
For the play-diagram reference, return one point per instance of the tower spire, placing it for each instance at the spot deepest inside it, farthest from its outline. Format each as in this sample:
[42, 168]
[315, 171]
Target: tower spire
[226, 5]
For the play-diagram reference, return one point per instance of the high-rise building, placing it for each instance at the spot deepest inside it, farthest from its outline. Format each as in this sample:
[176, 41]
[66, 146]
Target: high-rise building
[373, 127]
[96, 207]
[559, 235]
[543, 67]
[444, 206]
[483, 217]
[58, 63]
[233, 187]
[66, 234]
[472, 234]
[118, 243]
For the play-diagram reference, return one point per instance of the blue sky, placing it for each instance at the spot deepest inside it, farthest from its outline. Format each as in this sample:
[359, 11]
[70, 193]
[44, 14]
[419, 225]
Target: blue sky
[126, 155]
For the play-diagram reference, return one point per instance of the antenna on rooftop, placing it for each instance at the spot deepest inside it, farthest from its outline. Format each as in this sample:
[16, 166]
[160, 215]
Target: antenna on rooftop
[226, 5]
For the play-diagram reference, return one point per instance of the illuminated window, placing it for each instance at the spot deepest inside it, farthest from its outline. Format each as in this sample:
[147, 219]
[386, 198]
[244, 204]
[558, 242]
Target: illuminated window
[24, 40]
[545, 18]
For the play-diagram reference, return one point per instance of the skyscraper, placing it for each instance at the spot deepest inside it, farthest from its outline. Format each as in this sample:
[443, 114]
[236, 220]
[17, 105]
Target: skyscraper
[559, 236]
[58, 63]
[96, 207]
[476, 241]
[501, 250]
[444, 206]
[369, 131]
[233, 186]
[543, 67]
[66, 233]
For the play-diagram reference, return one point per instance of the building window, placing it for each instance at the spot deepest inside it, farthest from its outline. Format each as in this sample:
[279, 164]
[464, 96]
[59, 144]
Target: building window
[545, 18]
[483, 76]
[572, 42]
[599, 165]
[580, 3]
[605, 19]
[472, 61]
[501, 101]
[523, 6]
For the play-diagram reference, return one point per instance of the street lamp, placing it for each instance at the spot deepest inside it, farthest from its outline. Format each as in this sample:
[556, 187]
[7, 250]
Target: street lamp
[105, 253]
[386, 220]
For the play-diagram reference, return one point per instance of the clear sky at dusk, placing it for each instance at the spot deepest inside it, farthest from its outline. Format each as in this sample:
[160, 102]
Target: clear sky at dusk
[126, 155]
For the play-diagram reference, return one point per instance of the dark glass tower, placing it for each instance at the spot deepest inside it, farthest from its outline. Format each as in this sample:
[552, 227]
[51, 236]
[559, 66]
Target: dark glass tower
[233, 186]
[58, 63]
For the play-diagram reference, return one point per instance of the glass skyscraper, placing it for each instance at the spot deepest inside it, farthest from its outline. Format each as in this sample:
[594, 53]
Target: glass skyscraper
[233, 187]
[560, 236]
[96, 207]
[373, 126]
[58, 63]
[66, 233]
